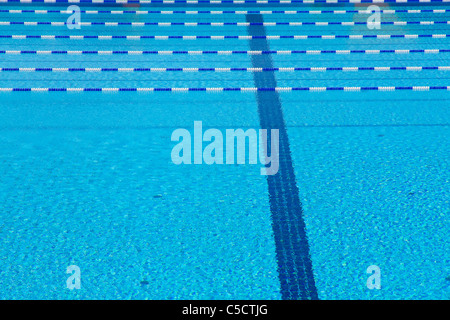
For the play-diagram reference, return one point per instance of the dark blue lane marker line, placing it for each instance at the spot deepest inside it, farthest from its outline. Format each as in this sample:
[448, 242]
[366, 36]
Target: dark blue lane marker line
[294, 262]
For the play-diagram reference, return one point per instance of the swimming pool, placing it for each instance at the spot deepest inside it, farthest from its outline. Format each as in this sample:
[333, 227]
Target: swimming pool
[87, 115]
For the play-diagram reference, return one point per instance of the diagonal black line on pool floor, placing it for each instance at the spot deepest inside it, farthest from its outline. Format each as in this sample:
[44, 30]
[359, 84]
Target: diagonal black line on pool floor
[294, 262]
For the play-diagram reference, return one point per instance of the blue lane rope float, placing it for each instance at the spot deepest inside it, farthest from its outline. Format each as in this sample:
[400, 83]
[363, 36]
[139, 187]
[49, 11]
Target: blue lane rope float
[287, 69]
[226, 37]
[221, 52]
[222, 1]
[221, 12]
[235, 89]
[218, 24]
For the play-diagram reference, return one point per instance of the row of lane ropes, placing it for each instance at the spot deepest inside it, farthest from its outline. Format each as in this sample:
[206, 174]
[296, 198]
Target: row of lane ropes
[386, 48]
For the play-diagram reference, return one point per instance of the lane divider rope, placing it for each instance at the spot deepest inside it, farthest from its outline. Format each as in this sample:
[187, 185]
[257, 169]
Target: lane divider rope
[286, 69]
[238, 89]
[220, 12]
[218, 24]
[222, 52]
[236, 37]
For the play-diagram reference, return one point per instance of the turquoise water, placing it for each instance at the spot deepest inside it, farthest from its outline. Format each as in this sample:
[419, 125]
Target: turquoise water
[87, 178]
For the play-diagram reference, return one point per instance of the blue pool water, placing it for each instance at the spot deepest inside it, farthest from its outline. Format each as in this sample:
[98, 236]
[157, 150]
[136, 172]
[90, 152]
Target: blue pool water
[87, 177]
